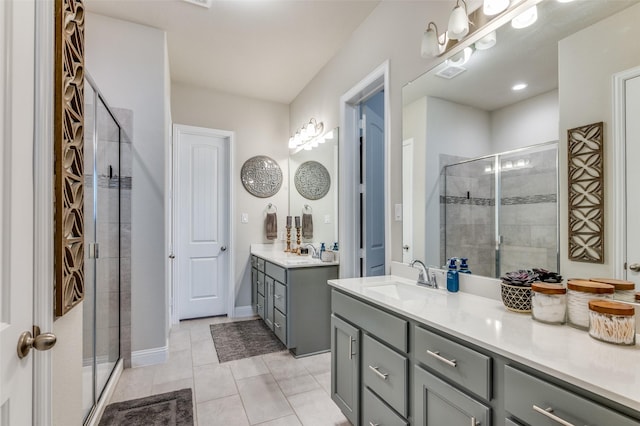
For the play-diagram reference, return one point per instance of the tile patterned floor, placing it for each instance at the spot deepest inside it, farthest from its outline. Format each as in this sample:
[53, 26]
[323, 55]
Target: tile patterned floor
[274, 389]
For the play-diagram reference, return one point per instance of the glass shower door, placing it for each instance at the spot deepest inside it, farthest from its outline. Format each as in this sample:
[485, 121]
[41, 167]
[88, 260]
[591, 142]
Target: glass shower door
[101, 311]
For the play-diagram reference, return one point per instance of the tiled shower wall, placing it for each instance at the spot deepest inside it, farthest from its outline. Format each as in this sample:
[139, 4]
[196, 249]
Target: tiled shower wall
[528, 213]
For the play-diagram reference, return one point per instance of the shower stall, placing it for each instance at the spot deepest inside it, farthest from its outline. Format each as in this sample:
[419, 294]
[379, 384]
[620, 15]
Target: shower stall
[501, 211]
[107, 201]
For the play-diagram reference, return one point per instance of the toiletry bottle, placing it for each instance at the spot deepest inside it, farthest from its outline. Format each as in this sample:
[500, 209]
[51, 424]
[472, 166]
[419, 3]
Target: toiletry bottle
[452, 276]
[322, 249]
[335, 246]
[464, 266]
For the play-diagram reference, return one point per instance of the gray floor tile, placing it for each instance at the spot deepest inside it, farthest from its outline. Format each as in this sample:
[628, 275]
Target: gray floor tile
[179, 366]
[222, 412]
[317, 364]
[247, 367]
[172, 386]
[179, 340]
[315, 408]
[262, 399]
[299, 384]
[203, 352]
[325, 381]
[284, 421]
[284, 365]
[213, 381]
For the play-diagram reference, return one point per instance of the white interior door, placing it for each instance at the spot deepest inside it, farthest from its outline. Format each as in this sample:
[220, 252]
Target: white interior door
[202, 221]
[16, 207]
[407, 201]
[632, 96]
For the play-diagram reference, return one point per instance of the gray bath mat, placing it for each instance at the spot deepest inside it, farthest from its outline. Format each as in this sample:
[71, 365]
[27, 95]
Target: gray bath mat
[167, 409]
[243, 339]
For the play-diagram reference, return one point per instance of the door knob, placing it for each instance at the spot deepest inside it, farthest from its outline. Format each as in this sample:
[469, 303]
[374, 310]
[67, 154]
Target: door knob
[635, 267]
[223, 248]
[172, 256]
[405, 247]
[41, 341]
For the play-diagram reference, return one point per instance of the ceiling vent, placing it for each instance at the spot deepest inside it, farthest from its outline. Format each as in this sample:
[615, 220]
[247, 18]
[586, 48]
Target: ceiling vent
[450, 72]
[201, 3]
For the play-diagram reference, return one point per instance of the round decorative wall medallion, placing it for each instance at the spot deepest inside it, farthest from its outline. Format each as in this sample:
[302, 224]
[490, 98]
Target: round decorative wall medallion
[261, 176]
[312, 180]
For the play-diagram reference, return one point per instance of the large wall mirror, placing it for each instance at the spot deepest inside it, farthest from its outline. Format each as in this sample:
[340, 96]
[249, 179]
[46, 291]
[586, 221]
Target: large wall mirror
[313, 188]
[480, 132]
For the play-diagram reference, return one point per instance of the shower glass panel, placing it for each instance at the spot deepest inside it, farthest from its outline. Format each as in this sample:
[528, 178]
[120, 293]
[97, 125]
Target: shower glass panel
[469, 212]
[101, 322]
[501, 211]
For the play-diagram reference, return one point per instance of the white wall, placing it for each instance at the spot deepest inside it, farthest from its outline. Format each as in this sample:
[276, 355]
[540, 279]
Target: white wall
[66, 369]
[393, 31]
[587, 62]
[128, 63]
[261, 128]
[530, 122]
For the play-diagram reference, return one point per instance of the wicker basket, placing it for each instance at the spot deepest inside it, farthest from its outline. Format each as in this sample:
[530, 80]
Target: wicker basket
[516, 298]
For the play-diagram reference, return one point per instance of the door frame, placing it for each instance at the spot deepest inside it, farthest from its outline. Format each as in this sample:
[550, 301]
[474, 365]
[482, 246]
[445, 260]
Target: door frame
[43, 175]
[619, 169]
[349, 212]
[229, 137]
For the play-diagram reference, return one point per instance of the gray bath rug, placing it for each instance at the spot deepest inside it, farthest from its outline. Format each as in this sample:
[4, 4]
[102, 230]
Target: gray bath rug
[167, 409]
[243, 339]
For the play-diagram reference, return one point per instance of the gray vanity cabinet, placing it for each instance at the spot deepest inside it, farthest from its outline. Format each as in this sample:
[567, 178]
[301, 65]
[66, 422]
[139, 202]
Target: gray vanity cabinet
[537, 402]
[345, 368]
[438, 403]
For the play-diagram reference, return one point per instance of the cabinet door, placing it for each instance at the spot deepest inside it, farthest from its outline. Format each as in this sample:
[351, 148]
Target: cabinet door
[260, 306]
[254, 287]
[438, 403]
[268, 301]
[345, 371]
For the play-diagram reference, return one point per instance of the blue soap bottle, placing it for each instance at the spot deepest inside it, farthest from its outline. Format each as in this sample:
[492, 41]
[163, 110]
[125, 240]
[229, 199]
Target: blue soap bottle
[322, 249]
[464, 266]
[453, 284]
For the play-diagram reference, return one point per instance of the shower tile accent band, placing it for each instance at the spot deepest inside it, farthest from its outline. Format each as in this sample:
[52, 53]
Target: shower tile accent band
[507, 201]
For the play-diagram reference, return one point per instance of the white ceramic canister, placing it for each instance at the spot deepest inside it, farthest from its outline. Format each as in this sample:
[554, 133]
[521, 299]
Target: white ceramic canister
[625, 290]
[549, 303]
[612, 322]
[579, 293]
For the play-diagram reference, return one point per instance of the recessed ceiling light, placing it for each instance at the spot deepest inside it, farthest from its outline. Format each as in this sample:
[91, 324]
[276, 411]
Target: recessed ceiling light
[519, 86]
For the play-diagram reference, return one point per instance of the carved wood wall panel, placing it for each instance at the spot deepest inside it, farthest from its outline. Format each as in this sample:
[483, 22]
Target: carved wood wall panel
[69, 150]
[586, 193]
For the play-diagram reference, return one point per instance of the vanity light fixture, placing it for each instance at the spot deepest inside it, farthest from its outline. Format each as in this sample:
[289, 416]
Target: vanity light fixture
[458, 21]
[461, 58]
[493, 7]
[526, 18]
[433, 43]
[306, 134]
[487, 42]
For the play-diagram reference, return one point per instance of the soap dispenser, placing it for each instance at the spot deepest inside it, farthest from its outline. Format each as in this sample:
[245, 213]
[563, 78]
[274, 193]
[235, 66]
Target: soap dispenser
[453, 284]
[464, 266]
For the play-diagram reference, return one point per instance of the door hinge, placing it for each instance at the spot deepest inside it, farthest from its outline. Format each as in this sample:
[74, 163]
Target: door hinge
[361, 123]
[361, 254]
[93, 251]
[361, 188]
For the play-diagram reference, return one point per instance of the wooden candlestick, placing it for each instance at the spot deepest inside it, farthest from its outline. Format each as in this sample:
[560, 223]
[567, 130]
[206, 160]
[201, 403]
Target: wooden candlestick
[288, 249]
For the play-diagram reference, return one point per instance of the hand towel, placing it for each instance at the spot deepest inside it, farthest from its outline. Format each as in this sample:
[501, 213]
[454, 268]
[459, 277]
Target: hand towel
[271, 225]
[307, 226]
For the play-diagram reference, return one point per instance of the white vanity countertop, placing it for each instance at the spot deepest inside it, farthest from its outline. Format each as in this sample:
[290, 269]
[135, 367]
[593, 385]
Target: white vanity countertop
[561, 351]
[274, 253]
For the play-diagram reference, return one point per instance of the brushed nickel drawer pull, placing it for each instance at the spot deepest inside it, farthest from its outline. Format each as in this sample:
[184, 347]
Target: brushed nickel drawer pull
[277, 296]
[549, 413]
[351, 347]
[376, 370]
[474, 422]
[436, 355]
[374, 424]
[276, 325]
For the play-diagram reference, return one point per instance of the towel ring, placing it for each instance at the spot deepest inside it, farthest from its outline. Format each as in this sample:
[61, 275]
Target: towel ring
[271, 206]
[308, 208]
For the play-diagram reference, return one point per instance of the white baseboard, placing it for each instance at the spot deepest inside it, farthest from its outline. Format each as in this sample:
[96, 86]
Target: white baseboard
[150, 356]
[243, 311]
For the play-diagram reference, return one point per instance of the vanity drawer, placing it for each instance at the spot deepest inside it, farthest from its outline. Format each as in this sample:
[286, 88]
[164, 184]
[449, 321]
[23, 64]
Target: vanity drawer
[276, 272]
[280, 296]
[387, 327]
[526, 394]
[260, 306]
[260, 283]
[280, 325]
[260, 264]
[464, 366]
[385, 372]
[375, 412]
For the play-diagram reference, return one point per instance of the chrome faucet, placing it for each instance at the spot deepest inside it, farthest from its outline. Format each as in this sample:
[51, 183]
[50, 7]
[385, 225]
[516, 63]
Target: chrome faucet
[424, 278]
[315, 254]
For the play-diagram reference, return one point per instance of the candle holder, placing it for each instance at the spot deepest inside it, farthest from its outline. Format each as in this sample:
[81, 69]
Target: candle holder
[288, 249]
[298, 231]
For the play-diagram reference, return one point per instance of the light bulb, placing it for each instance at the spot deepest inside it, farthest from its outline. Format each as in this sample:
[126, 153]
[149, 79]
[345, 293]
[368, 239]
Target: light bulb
[430, 45]
[487, 42]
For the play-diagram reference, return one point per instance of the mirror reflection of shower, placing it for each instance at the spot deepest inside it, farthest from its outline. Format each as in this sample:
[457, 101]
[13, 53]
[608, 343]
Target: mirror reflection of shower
[501, 211]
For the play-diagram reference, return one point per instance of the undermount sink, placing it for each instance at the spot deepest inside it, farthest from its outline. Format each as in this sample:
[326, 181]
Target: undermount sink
[398, 290]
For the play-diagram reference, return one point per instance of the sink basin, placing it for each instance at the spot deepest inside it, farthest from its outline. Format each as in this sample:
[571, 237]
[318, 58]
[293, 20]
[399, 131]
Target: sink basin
[398, 291]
